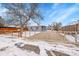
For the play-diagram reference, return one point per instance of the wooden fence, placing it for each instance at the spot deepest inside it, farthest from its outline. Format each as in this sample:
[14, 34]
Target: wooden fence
[4, 30]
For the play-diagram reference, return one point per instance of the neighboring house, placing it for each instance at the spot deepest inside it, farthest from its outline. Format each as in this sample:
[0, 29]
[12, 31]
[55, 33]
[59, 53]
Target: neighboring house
[37, 28]
[11, 29]
[70, 28]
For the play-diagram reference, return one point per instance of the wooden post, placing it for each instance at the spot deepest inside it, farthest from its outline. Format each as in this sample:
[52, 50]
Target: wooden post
[75, 37]
[12, 33]
[18, 33]
[25, 34]
[76, 33]
[64, 35]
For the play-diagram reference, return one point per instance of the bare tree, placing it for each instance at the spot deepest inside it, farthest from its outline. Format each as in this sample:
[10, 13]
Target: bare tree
[2, 22]
[56, 26]
[23, 13]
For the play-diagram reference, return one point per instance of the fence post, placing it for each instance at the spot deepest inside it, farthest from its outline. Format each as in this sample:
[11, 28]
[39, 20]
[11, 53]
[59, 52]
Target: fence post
[12, 33]
[64, 35]
[75, 37]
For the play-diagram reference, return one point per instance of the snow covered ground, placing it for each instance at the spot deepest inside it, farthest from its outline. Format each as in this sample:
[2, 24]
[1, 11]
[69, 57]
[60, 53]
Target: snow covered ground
[25, 34]
[13, 46]
[29, 33]
[71, 38]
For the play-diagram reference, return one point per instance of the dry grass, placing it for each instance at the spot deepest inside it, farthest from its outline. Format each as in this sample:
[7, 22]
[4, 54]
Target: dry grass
[50, 36]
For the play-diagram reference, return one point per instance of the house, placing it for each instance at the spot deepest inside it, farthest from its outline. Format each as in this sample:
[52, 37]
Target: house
[37, 28]
[70, 28]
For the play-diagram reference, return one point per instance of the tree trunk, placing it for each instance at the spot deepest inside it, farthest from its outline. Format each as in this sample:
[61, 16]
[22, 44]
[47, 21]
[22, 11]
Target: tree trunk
[21, 29]
[22, 25]
[21, 32]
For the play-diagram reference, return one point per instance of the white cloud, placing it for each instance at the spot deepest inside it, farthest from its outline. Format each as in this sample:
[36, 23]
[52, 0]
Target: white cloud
[66, 14]
[2, 12]
[53, 13]
[31, 23]
[61, 14]
[2, 9]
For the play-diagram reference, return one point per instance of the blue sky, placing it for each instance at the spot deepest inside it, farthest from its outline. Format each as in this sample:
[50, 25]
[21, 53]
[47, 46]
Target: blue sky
[65, 13]
[56, 12]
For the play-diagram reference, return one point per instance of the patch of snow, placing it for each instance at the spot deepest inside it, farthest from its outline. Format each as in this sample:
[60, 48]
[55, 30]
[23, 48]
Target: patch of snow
[78, 38]
[14, 51]
[70, 38]
[29, 33]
